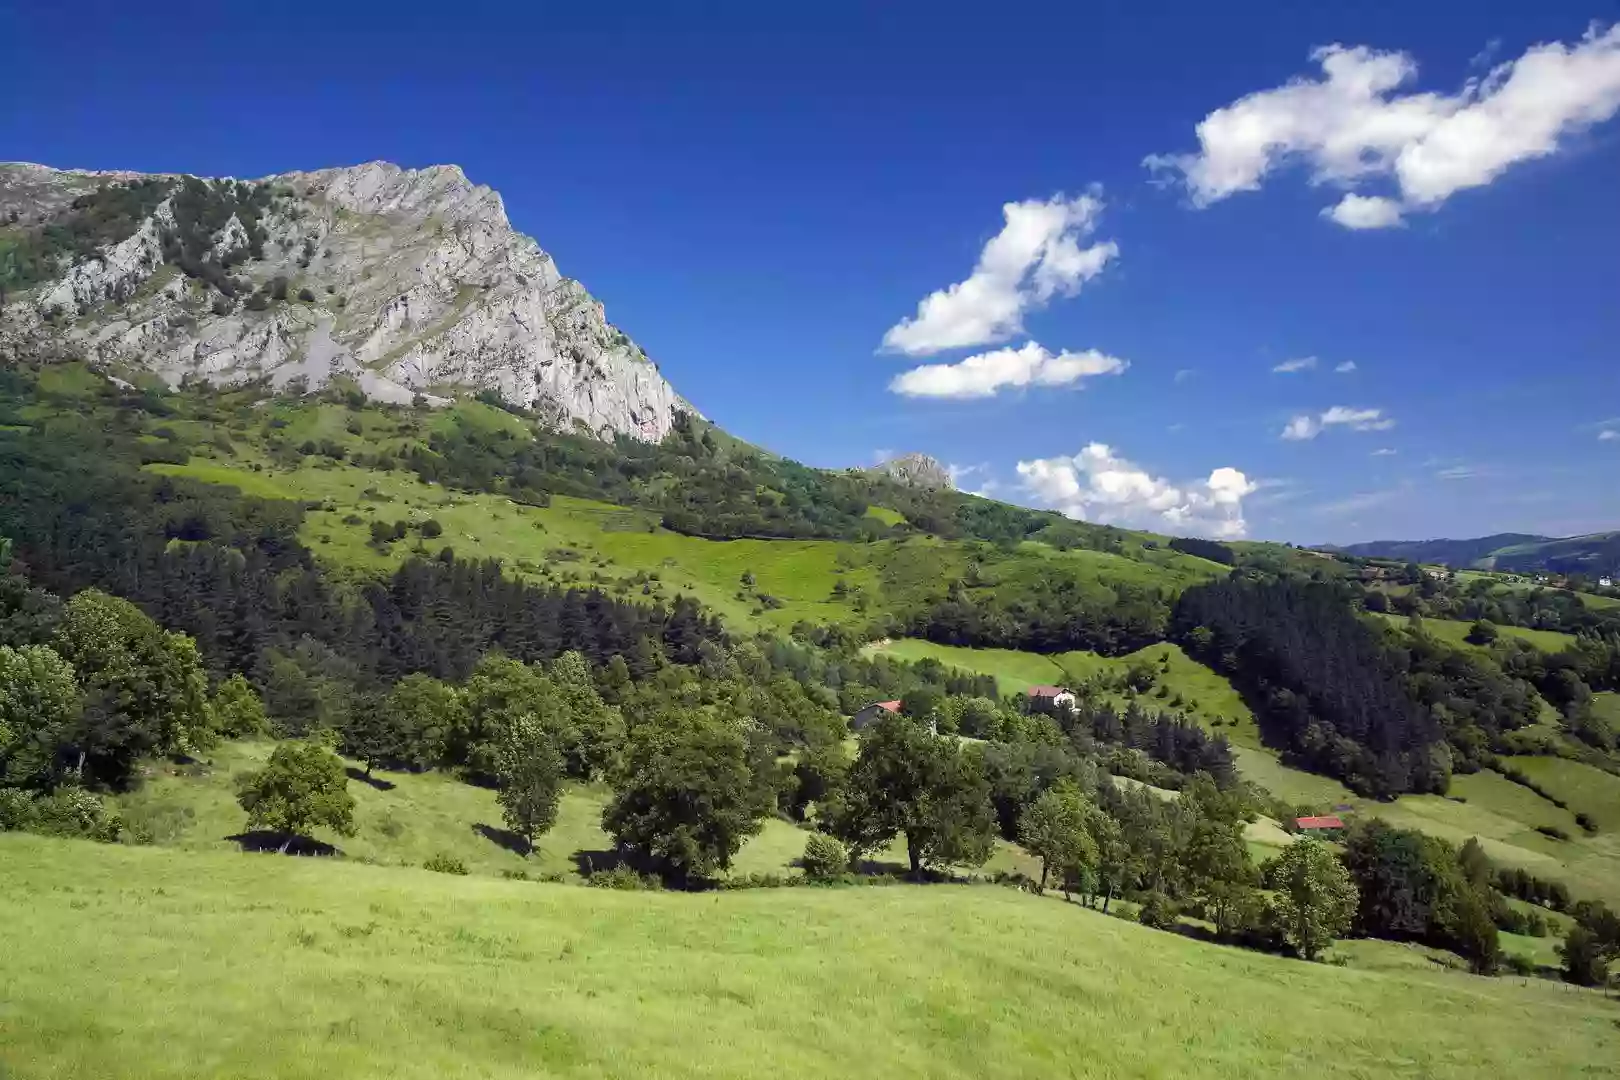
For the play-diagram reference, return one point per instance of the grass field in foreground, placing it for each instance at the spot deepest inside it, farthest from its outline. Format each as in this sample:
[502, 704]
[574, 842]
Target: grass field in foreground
[144, 962]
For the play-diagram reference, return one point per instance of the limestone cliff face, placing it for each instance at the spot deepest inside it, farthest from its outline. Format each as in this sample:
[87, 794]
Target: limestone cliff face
[916, 470]
[409, 281]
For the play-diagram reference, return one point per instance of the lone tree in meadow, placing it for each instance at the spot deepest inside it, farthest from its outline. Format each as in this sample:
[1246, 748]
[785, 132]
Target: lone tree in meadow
[909, 781]
[686, 795]
[302, 786]
[530, 772]
[1316, 898]
[1056, 828]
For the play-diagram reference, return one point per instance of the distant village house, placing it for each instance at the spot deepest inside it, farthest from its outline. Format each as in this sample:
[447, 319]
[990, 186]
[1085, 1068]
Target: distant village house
[869, 714]
[1049, 698]
[1327, 826]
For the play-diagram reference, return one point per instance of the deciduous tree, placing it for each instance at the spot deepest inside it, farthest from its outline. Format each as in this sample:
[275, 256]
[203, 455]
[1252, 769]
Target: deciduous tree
[303, 786]
[145, 689]
[39, 707]
[1057, 829]
[910, 782]
[238, 709]
[1315, 898]
[530, 772]
[426, 712]
[685, 795]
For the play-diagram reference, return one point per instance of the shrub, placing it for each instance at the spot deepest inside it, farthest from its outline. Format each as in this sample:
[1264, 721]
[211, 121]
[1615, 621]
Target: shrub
[431, 529]
[16, 810]
[445, 864]
[758, 881]
[1519, 964]
[74, 812]
[1158, 911]
[824, 858]
[624, 878]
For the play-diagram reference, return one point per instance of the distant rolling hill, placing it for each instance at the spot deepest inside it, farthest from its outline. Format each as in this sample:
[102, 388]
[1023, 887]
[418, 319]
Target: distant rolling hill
[1595, 553]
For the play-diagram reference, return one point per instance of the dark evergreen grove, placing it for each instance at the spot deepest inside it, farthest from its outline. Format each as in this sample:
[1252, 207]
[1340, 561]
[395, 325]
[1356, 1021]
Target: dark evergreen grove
[1325, 686]
[230, 571]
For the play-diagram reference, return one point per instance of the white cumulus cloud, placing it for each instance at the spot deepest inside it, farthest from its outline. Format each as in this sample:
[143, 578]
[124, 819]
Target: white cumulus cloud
[1036, 256]
[1307, 426]
[1098, 485]
[1345, 368]
[1608, 435]
[1365, 212]
[984, 374]
[1289, 367]
[1360, 121]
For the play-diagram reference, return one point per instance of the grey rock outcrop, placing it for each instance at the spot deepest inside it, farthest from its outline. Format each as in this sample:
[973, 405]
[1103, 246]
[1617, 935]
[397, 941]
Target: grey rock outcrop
[408, 281]
[916, 470]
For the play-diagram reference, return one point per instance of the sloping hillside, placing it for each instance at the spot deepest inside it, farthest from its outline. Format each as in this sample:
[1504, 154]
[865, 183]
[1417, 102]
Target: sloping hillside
[152, 963]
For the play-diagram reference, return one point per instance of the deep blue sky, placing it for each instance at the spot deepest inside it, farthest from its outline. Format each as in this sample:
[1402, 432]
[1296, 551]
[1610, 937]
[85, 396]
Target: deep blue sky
[759, 191]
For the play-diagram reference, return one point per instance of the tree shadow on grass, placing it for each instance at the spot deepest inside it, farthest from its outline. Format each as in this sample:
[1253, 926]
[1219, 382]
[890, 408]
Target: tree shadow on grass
[505, 838]
[266, 840]
[375, 781]
[881, 868]
[588, 862]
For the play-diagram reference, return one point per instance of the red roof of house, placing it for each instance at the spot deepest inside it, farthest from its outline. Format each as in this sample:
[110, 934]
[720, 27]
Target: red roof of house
[1327, 822]
[892, 706]
[1048, 691]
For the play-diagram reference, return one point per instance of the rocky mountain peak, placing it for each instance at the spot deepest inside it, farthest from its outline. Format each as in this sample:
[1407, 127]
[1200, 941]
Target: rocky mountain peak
[407, 281]
[917, 470]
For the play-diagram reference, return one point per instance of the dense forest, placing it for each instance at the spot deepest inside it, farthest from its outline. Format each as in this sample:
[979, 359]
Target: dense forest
[1047, 613]
[1326, 688]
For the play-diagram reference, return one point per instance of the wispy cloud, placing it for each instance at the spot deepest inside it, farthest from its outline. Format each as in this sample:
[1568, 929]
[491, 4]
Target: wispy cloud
[1358, 122]
[1036, 256]
[1289, 367]
[1306, 426]
[1270, 492]
[1344, 367]
[1457, 472]
[1384, 451]
[1609, 434]
[1363, 500]
[1183, 374]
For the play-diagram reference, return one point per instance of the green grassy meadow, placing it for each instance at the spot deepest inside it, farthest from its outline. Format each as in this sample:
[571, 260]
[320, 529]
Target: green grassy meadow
[1016, 671]
[579, 540]
[152, 962]
[406, 818]
[1503, 815]
[1585, 788]
[1455, 632]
